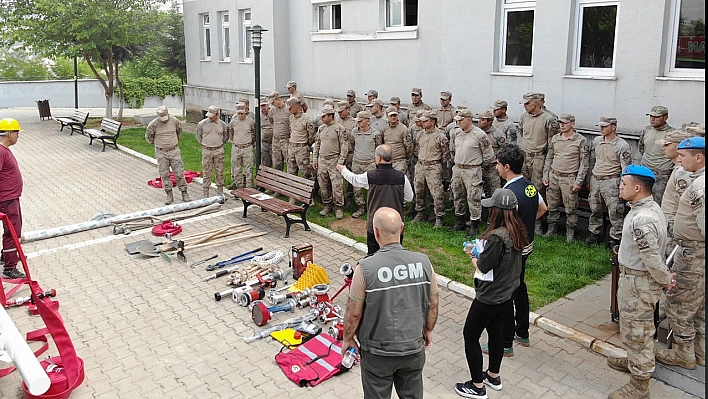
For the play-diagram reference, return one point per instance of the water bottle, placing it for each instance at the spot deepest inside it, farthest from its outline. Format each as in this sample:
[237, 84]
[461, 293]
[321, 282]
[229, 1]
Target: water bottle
[468, 246]
[349, 358]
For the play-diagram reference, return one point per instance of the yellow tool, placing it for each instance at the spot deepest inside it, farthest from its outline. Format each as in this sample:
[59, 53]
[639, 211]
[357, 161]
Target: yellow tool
[313, 275]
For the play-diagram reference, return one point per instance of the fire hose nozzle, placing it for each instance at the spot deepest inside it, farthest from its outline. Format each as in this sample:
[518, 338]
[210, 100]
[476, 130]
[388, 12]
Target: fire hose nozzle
[347, 270]
[304, 302]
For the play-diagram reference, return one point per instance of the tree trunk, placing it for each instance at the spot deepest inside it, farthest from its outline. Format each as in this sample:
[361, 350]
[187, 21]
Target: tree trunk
[120, 93]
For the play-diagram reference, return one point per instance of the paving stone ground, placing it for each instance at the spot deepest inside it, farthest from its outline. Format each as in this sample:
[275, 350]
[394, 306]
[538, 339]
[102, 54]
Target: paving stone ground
[149, 329]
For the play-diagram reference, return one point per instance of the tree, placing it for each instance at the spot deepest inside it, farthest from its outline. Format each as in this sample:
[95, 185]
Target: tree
[92, 29]
[17, 63]
[171, 43]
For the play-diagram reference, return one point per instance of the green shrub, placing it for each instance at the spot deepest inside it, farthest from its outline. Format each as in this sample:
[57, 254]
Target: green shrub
[135, 90]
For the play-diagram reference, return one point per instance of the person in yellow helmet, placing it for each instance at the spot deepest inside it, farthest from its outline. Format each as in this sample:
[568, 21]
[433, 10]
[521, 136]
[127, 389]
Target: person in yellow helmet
[10, 192]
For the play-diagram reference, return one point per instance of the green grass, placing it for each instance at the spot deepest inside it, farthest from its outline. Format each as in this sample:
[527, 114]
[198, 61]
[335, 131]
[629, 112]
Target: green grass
[554, 270]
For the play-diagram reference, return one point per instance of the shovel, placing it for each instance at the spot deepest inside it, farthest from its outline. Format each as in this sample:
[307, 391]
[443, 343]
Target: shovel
[219, 234]
[149, 250]
[228, 240]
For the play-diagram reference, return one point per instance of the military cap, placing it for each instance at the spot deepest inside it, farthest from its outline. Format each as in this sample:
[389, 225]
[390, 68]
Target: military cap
[328, 101]
[290, 84]
[273, 95]
[342, 105]
[376, 102]
[240, 104]
[213, 110]
[532, 96]
[241, 111]
[658, 111]
[606, 121]
[674, 136]
[243, 100]
[503, 198]
[264, 100]
[395, 100]
[417, 90]
[373, 93]
[500, 104]
[292, 101]
[427, 115]
[351, 93]
[391, 110]
[417, 115]
[638, 170]
[446, 95]
[328, 109]
[693, 143]
[363, 115]
[462, 114]
[486, 115]
[698, 130]
[566, 118]
[163, 113]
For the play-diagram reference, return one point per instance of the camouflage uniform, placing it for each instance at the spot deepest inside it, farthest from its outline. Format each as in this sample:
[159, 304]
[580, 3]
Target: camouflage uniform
[365, 144]
[434, 151]
[567, 164]
[378, 122]
[490, 175]
[266, 140]
[331, 148]
[678, 182]
[536, 132]
[355, 108]
[654, 159]
[280, 119]
[644, 274]
[413, 108]
[242, 134]
[473, 152]
[212, 136]
[165, 137]
[444, 116]
[349, 124]
[509, 128]
[413, 160]
[401, 141]
[609, 159]
[302, 135]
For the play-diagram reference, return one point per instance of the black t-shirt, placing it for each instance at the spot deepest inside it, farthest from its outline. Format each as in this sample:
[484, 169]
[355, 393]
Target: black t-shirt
[527, 197]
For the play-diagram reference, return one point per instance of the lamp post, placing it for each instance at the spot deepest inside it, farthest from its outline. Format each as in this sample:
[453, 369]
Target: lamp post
[257, 42]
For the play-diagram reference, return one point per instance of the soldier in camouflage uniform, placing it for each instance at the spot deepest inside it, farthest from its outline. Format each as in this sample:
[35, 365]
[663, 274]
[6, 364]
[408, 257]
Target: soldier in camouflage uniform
[331, 148]
[685, 308]
[399, 138]
[417, 101]
[434, 151]
[537, 128]
[266, 134]
[242, 134]
[371, 95]
[446, 112]
[212, 133]
[279, 117]
[366, 139]
[291, 87]
[247, 105]
[567, 164]
[416, 130]
[473, 153]
[643, 275]
[503, 123]
[346, 120]
[652, 156]
[402, 115]
[354, 107]
[496, 137]
[378, 117]
[609, 154]
[302, 135]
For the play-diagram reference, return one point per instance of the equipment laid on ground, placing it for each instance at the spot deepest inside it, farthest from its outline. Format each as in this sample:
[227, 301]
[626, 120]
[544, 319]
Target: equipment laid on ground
[14, 349]
[170, 244]
[189, 175]
[228, 271]
[313, 362]
[261, 314]
[314, 275]
[348, 272]
[308, 317]
[232, 260]
[195, 264]
[168, 228]
[28, 299]
[300, 256]
[336, 330]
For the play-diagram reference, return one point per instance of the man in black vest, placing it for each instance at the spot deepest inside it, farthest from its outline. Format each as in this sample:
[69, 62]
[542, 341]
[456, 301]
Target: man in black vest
[387, 188]
[393, 338]
[510, 161]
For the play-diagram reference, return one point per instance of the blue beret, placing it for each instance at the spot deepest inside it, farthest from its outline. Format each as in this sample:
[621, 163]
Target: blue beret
[693, 143]
[637, 170]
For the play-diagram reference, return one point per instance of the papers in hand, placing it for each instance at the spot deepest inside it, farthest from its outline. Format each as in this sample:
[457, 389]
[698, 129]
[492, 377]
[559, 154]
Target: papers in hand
[261, 196]
[489, 276]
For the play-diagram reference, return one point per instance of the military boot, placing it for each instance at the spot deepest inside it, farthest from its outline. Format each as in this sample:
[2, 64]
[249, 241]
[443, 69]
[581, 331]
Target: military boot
[618, 363]
[326, 210]
[439, 222]
[569, 235]
[359, 212]
[635, 389]
[170, 198]
[593, 239]
[419, 217]
[474, 229]
[699, 347]
[185, 196]
[433, 217]
[410, 212]
[538, 229]
[681, 355]
[459, 224]
[552, 230]
[338, 213]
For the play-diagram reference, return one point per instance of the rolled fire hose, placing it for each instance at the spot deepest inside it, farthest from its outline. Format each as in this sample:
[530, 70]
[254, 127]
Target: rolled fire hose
[94, 224]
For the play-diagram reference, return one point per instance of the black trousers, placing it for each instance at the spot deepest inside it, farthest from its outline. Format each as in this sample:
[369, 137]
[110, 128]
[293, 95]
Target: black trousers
[480, 317]
[517, 320]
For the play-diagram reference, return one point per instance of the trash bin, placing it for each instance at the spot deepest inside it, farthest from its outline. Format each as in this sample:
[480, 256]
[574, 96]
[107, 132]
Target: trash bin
[44, 111]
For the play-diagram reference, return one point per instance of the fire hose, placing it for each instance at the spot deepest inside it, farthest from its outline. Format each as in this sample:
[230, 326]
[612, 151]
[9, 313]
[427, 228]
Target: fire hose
[263, 333]
[261, 314]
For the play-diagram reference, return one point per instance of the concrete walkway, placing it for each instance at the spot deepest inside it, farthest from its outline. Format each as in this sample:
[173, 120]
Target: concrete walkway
[147, 329]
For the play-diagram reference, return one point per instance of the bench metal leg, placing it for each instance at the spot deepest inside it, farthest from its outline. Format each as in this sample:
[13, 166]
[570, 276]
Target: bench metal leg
[289, 222]
[303, 215]
[245, 207]
[62, 126]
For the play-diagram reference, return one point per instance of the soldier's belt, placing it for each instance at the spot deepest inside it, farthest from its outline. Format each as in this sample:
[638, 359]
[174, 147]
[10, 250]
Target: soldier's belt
[398, 160]
[363, 161]
[690, 244]
[329, 157]
[662, 172]
[429, 163]
[299, 144]
[467, 166]
[533, 154]
[243, 145]
[633, 272]
[166, 149]
[606, 177]
[210, 148]
[559, 174]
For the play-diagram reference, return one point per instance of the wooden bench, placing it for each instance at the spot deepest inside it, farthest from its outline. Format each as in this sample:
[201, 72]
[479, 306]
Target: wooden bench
[109, 131]
[291, 186]
[76, 122]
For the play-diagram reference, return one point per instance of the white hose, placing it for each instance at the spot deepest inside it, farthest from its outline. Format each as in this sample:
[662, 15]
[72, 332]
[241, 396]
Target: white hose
[270, 258]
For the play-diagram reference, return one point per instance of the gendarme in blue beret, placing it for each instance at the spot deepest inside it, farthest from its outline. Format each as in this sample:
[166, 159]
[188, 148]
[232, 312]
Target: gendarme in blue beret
[698, 143]
[637, 170]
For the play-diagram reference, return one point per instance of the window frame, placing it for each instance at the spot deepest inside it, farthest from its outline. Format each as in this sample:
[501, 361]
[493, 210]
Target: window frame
[672, 39]
[224, 20]
[515, 6]
[578, 37]
[404, 25]
[245, 47]
[205, 36]
[331, 14]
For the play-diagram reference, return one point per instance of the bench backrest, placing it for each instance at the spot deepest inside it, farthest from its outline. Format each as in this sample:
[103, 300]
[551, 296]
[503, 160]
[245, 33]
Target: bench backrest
[284, 183]
[80, 116]
[111, 126]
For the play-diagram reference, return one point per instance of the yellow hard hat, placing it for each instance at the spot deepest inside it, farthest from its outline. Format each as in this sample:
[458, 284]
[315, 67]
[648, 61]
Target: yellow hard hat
[9, 125]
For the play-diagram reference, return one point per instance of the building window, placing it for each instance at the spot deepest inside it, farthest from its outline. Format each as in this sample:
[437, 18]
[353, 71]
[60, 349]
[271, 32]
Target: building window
[246, 48]
[206, 38]
[687, 39]
[595, 38]
[329, 17]
[517, 35]
[225, 37]
[401, 13]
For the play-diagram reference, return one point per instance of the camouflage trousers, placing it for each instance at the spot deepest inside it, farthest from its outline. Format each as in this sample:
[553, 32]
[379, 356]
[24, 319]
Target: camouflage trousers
[330, 181]
[605, 192]
[242, 166]
[637, 295]
[299, 160]
[359, 167]
[267, 153]
[491, 178]
[430, 176]
[401, 165]
[280, 152]
[533, 170]
[213, 160]
[165, 161]
[560, 191]
[686, 303]
[657, 191]
[467, 189]
[409, 170]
